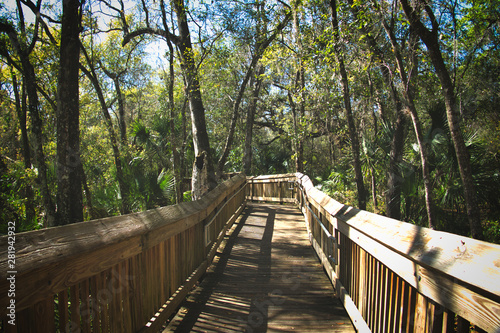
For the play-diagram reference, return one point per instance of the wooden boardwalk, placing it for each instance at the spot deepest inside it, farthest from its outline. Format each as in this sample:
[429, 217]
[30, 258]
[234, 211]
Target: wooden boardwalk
[266, 278]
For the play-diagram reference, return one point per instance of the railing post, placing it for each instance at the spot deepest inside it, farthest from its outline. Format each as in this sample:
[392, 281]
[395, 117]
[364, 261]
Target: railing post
[279, 192]
[251, 189]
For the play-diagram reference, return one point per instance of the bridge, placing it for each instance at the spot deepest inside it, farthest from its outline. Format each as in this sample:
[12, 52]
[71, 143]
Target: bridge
[267, 253]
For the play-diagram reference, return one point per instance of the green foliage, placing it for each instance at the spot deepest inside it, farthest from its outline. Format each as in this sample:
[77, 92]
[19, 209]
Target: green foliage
[187, 196]
[14, 181]
[227, 38]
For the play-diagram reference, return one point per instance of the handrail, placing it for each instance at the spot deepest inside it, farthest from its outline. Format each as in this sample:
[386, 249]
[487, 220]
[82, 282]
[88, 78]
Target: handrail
[393, 276]
[129, 273]
[270, 193]
[115, 273]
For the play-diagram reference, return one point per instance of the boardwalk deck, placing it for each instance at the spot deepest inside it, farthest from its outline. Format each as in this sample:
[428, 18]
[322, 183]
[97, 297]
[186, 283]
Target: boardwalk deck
[266, 279]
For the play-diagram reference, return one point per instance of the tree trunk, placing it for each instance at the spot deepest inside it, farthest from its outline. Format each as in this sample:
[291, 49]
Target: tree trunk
[182, 155]
[26, 150]
[353, 134]
[430, 39]
[256, 84]
[121, 111]
[203, 177]
[259, 52]
[299, 88]
[173, 140]
[69, 178]
[122, 182]
[395, 179]
[234, 119]
[29, 81]
[374, 190]
[297, 141]
[409, 95]
[122, 126]
[88, 195]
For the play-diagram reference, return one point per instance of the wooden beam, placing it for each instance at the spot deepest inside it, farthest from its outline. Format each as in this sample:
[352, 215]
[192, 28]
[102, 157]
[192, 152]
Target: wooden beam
[455, 271]
[50, 260]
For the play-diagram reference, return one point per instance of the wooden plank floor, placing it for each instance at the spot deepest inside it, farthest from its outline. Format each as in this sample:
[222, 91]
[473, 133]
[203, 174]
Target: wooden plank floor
[266, 279]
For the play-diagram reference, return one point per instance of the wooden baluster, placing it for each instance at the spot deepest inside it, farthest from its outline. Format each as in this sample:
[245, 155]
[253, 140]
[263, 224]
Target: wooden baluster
[138, 317]
[95, 306]
[420, 314]
[371, 292]
[86, 313]
[386, 303]
[44, 316]
[8, 328]
[25, 321]
[394, 297]
[163, 271]
[116, 305]
[62, 306]
[74, 299]
[104, 298]
[125, 280]
[448, 322]
[463, 326]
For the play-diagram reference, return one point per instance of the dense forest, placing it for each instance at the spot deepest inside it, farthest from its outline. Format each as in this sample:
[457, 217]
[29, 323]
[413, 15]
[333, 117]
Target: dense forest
[112, 106]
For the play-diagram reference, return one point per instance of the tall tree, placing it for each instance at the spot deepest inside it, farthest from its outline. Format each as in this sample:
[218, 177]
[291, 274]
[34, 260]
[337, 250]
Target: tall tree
[255, 84]
[69, 176]
[171, 105]
[298, 106]
[23, 48]
[91, 74]
[263, 41]
[395, 178]
[20, 101]
[409, 94]
[353, 134]
[430, 37]
[203, 175]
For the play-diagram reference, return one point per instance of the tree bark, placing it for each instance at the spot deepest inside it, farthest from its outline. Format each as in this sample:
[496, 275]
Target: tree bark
[259, 52]
[353, 134]
[122, 182]
[173, 140]
[234, 118]
[300, 90]
[410, 100]
[203, 176]
[26, 150]
[121, 111]
[256, 84]
[29, 80]
[431, 41]
[122, 126]
[374, 189]
[69, 178]
[394, 177]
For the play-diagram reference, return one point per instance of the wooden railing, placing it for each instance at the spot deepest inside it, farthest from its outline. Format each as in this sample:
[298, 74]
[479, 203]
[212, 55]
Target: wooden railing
[394, 276]
[129, 273]
[121, 274]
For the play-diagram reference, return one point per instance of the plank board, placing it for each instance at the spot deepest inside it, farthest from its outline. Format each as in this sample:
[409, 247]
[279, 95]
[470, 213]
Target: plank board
[265, 277]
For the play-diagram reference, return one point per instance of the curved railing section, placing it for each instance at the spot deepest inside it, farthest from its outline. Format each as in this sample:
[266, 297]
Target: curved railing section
[120, 274]
[394, 276]
[129, 273]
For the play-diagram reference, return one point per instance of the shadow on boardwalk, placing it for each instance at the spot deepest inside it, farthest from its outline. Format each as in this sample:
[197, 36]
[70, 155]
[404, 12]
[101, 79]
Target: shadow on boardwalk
[266, 279]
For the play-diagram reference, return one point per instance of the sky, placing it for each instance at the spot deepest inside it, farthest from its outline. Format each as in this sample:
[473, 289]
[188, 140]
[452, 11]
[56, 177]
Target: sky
[156, 49]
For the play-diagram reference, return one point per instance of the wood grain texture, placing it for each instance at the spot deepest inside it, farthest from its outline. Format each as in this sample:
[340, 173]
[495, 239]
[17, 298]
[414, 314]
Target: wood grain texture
[50, 260]
[264, 278]
[456, 272]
